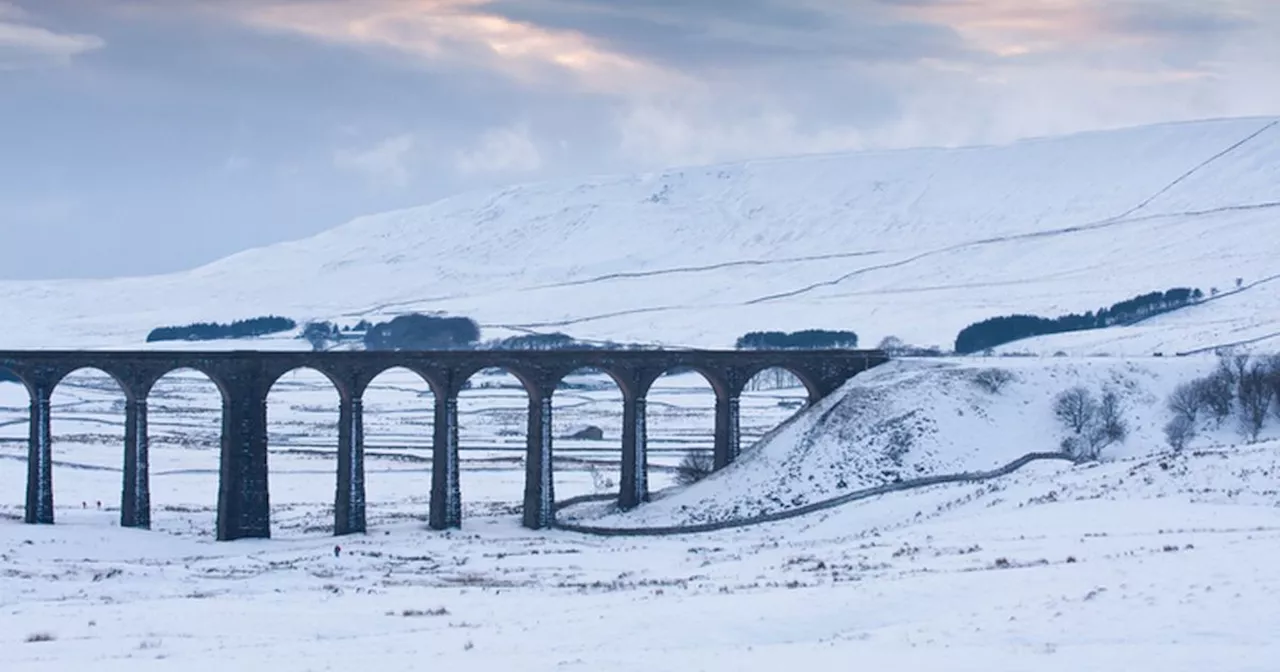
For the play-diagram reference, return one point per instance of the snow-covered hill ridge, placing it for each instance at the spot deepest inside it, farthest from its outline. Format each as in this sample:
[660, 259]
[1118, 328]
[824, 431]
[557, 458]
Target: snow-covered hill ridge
[914, 418]
[915, 243]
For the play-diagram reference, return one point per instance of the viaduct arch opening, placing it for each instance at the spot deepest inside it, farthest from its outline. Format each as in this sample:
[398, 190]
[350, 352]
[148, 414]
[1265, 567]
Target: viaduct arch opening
[87, 427]
[184, 445]
[303, 414]
[398, 424]
[588, 410]
[492, 426]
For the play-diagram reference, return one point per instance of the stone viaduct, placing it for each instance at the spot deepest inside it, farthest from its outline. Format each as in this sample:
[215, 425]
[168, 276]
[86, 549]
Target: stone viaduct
[244, 379]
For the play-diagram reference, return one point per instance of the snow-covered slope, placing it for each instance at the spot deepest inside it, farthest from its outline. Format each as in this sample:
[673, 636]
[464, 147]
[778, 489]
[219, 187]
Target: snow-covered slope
[914, 243]
[914, 418]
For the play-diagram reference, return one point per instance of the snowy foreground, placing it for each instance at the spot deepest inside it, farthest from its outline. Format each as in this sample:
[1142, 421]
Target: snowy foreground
[1147, 561]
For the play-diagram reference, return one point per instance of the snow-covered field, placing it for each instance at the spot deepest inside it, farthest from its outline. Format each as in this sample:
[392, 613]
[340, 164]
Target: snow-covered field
[1147, 561]
[916, 244]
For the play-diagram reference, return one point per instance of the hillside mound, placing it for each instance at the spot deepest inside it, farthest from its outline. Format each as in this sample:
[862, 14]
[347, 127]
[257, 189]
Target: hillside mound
[915, 418]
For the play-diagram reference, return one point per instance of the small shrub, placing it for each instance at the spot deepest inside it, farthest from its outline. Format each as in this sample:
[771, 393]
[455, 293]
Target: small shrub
[900, 442]
[1179, 431]
[417, 613]
[36, 637]
[695, 466]
[993, 380]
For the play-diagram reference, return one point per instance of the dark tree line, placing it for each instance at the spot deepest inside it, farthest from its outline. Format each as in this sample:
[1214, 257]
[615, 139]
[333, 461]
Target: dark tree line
[213, 331]
[423, 332]
[997, 331]
[808, 339]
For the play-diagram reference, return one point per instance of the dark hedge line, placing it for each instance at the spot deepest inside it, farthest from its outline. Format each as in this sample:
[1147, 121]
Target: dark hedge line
[212, 331]
[808, 339]
[997, 331]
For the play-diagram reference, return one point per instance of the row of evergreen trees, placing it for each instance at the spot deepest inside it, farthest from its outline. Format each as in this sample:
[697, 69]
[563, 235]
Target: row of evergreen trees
[213, 331]
[808, 339]
[423, 332]
[996, 331]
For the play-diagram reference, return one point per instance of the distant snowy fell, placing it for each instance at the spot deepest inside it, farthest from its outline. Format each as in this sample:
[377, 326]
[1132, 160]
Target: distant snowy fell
[915, 244]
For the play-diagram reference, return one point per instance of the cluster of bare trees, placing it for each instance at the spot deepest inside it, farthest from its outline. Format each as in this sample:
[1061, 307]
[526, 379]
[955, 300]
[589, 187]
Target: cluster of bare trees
[1242, 386]
[1093, 422]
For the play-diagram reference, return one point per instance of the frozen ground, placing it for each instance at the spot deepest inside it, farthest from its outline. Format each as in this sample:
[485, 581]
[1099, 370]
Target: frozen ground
[1148, 561]
[1165, 563]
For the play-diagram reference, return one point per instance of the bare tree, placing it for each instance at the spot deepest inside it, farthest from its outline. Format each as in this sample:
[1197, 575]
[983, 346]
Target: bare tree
[1111, 426]
[1105, 428]
[1217, 392]
[1186, 402]
[1179, 431]
[1076, 408]
[892, 345]
[1254, 394]
[1239, 366]
[695, 466]
[1094, 424]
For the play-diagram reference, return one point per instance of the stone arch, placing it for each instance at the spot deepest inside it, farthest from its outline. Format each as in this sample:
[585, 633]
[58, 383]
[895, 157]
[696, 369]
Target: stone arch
[670, 449]
[589, 450]
[438, 388]
[715, 378]
[340, 383]
[212, 375]
[15, 375]
[296, 470]
[508, 437]
[384, 401]
[86, 443]
[60, 377]
[528, 380]
[183, 488]
[766, 408]
[811, 386]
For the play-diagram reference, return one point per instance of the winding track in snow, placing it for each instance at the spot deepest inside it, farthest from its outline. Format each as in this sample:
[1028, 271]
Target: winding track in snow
[849, 498]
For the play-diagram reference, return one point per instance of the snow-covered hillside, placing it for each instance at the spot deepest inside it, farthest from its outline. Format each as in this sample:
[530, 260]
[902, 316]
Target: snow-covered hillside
[912, 243]
[916, 418]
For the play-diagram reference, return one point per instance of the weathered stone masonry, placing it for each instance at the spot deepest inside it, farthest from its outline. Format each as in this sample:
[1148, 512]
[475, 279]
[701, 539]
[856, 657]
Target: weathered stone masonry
[245, 378]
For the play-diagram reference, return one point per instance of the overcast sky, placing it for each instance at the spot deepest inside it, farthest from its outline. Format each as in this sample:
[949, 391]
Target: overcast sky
[145, 136]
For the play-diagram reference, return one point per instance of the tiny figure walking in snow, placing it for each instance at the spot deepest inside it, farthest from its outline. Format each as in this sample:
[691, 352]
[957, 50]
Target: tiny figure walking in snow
[337, 551]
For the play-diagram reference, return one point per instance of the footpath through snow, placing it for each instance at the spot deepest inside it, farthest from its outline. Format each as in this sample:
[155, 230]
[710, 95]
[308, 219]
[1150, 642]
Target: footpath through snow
[914, 418]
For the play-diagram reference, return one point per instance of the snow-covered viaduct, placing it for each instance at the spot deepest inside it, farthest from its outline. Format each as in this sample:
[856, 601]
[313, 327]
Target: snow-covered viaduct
[246, 377]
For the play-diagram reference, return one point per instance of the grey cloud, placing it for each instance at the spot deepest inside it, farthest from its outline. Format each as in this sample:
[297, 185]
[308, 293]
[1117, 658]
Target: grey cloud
[703, 33]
